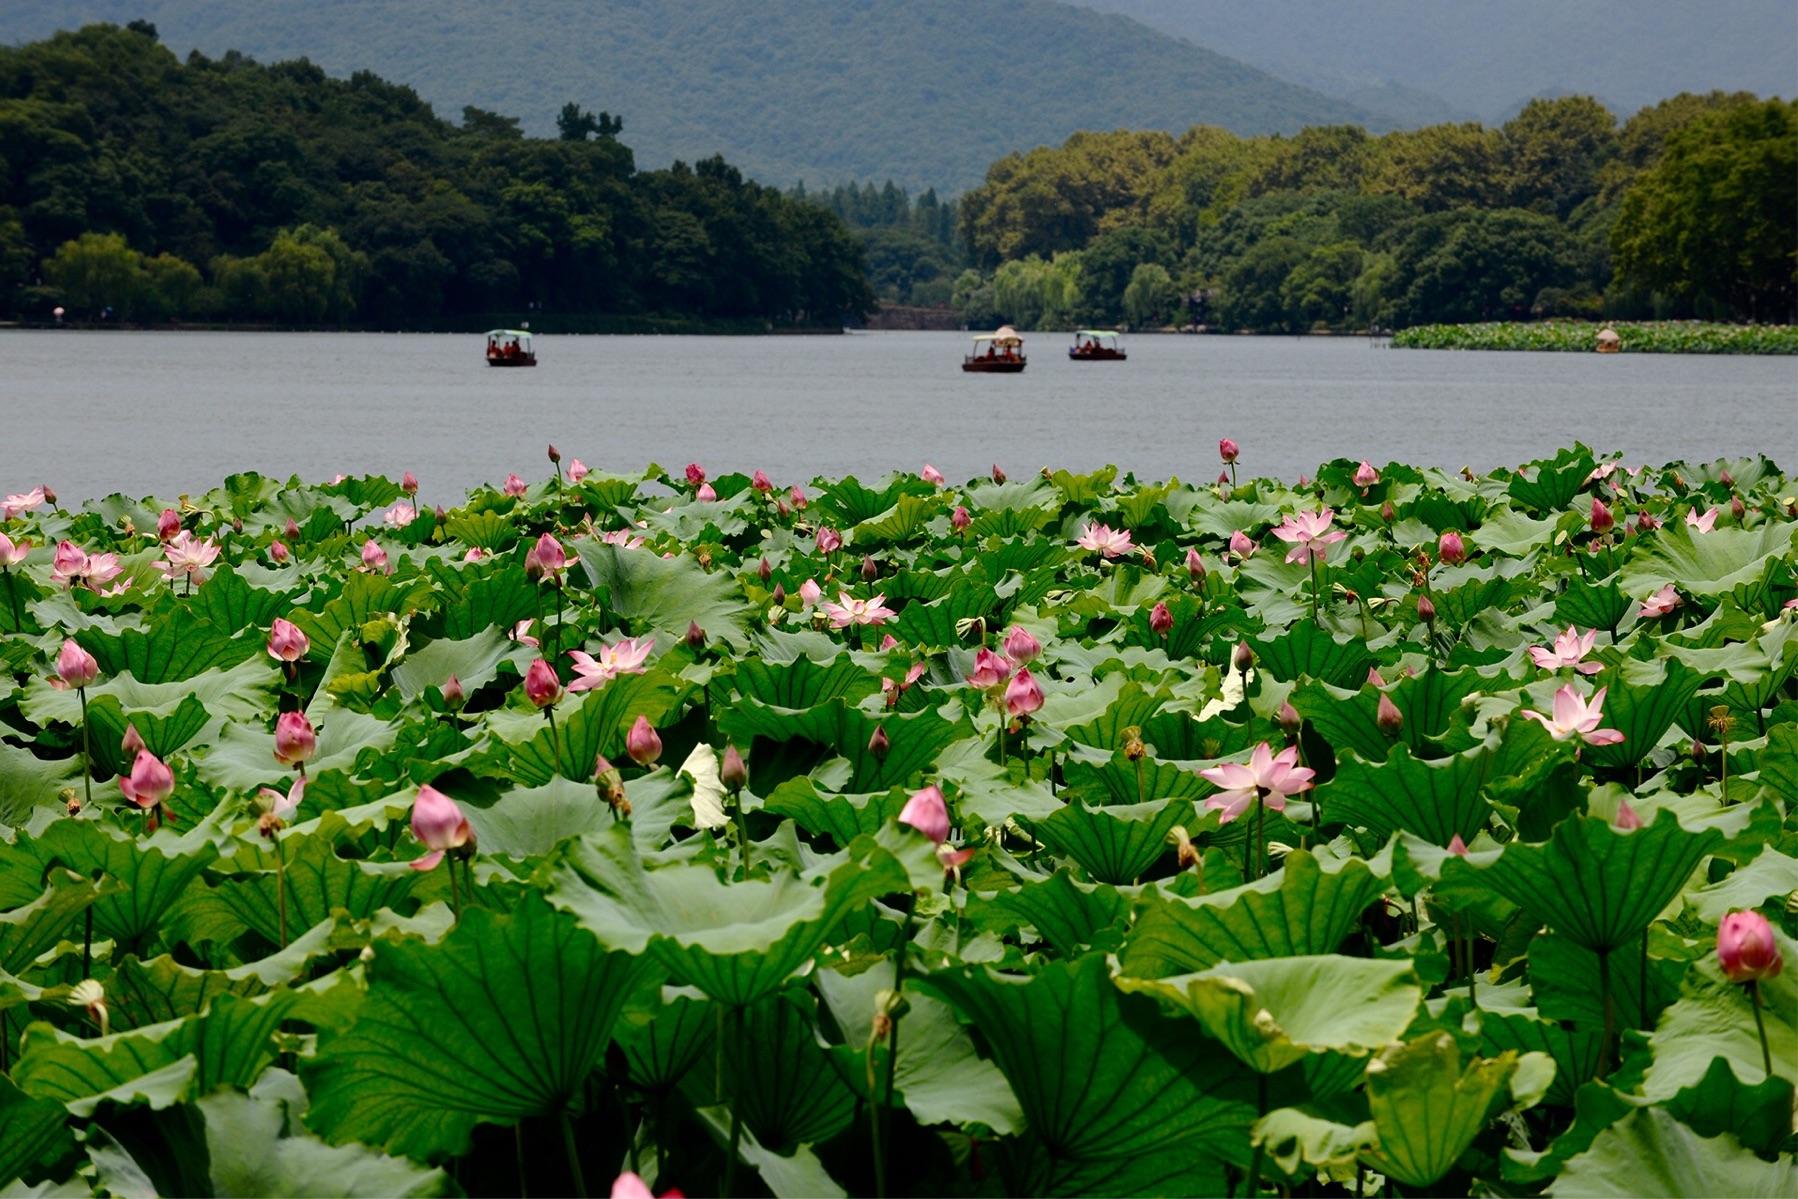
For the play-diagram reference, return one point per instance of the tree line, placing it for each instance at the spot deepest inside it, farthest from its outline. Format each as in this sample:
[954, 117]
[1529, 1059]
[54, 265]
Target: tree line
[140, 186]
[1687, 209]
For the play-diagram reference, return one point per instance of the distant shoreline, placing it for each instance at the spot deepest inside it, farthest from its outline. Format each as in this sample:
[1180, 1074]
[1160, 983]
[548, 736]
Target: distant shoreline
[609, 327]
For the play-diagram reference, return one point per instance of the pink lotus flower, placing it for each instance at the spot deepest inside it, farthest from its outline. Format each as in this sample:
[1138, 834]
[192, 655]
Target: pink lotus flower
[12, 552]
[1627, 820]
[514, 486]
[1020, 646]
[1223, 478]
[72, 566]
[990, 670]
[695, 474]
[1602, 520]
[622, 657]
[1161, 621]
[1374, 677]
[1365, 475]
[75, 667]
[23, 501]
[1108, 542]
[630, 1186]
[829, 540]
[548, 556]
[1703, 523]
[1310, 535]
[1227, 450]
[439, 826]
[1660, 603]
[167, 524]
[295, 741]
[928, 812]
[291, 530]
[849, 610]
[541, 686]
[931, 474]
[706, 493]
[888, 642]
[642, 743]
[277, 551]
[521, 633]
[1240, 545]
[1569, 649]
[760, 482]
[810, 593]
[187, 555]
[796, 495]
[959, 520]
[1022, 695]
[409, 483]
[282, 807]
[374, 558]
[1457, 846]
[286, 643]
[623, 538]
[1195, 566]
[475, 554]
[399, 516]
[1387, 717]
[1268, 776]
[150, 781]
[1576, 717]
[577, 470]
[1746, 949]
[1451, 549]
[452, 691]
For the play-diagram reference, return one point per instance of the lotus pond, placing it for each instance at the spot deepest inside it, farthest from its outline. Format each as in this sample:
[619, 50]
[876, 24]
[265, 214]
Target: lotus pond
[1399, 832]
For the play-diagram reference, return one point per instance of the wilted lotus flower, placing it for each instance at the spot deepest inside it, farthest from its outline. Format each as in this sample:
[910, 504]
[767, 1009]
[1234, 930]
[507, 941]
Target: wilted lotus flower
[409, 483]
[515, 486]
[90, 997]
[541, 686]
[695, 474]
[1746, 949]
[1577, 717]
[150, 781]
[849, 610]
[1240, 545]
[1602, 520]
[625, 656]
[374, 558]
[990, 670]
[1703, 523]
[1108, 542]
[1569, 649]
[1268, 776]
[642, 743]
[167, 524]
[1022, 695]
[286, 643]
[829, 540]
[931, 474]
[928, 812]
[577, 470]
[959, 520]
[1309, 534]
[439, 826]
[1451, 549]
[295, 741]
[1160, 619]
[1660, 603]
[1227, 450]
[1020, 646]
[75, 667]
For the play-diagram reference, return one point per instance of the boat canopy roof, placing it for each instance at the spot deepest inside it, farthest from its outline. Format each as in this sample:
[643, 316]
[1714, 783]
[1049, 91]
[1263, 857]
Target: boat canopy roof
[1113, 334]
[1005, 335]
[496, 334]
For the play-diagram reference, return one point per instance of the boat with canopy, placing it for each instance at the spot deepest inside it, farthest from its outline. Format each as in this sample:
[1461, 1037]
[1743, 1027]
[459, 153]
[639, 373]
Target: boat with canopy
[1000, 352]
[510, 347]
[1097, 345]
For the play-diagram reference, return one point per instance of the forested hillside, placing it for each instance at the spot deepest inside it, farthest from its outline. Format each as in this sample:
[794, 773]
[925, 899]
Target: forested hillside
[925, 92]
[1689, 208]
[134, 182]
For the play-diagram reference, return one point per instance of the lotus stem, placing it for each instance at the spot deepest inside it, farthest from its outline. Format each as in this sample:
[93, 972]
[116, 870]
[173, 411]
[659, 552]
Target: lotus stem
[1313, 588]
[1610, 1011]
[518, 1157]
[455, 891]
[742, 830]
[555, 736]
[87, 940]
[736, 1119]
[574, 1155]
[1754, 993]
[87, 771]
[281, 887]
[1140, 796]
[886, 1088]
[1642, 980]
[12, 591]
[1261, 858]
[1254, 1182]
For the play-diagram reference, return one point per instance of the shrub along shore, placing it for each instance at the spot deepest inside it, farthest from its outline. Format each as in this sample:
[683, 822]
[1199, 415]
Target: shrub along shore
[1634, 337]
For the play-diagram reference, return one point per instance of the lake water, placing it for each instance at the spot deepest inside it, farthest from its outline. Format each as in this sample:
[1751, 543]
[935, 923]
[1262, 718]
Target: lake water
[162, 413]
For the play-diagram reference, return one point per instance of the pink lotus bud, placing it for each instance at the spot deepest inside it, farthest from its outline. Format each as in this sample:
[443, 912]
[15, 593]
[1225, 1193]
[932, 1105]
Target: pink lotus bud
[577, 470]
[931, 474]
[642, 743]
[959, 520]
[50, 495]
[1699, 751]
[75, 666]
[1727, 479]
[1426, 610]
[1451, 549]
[514, 487]
[706, 493]
[278, 551]
[291, 530]
[1161, 620]
[1223, 478]
[374, 557]
[409, 483]
[1304, 480]
[780, 509]
[695, 474]
[760, 481]
[829, 540]
[733, 772]
[1388, 513]
[998, 475]
[1022, 695]
[150, 781]
[555, 455]
[810, 593]
[1374, 677]
[1388, 717]
[870, 568]
[879, 745]
[295, 741]
[1366, 475]
[796, 494]
[452, 692]
[1195, 566]
[1227, 450]
[1240, 545]
[439, 826]
[131, 742]
[764, 572]
[551, 557]
[1626, 817]
[1737, 508]
[168, 524]
[1243, 657]
[1020, 646]
[779, 597]
[630, 1186]
[1288, 718]
[1746, 949]
[1602, 520]
[1457, 846]
[69, 561]
[286, 643]
[887, 642]
[695, 636]
[928, 812]
[541, 686]
[990, 670]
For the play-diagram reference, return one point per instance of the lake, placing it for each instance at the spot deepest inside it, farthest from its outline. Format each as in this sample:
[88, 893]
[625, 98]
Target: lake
[160, 413]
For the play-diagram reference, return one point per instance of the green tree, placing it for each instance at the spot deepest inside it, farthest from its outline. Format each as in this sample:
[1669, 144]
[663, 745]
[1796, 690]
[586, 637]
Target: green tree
[1469, 265]
[97, 271]
[1717, 216]
[1319, 290]
[1150, 296]
[172, 287]
[576, 124]
[1554, 150]
[1252, 286]
[972, 296]
[1442, 166]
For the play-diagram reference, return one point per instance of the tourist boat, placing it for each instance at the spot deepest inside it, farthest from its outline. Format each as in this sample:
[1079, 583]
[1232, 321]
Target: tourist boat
[998, 353]
[1097, 345]
[510, 347]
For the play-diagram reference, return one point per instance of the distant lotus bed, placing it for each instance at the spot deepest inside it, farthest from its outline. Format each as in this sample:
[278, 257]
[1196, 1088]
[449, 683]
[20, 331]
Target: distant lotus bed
[1635, 337]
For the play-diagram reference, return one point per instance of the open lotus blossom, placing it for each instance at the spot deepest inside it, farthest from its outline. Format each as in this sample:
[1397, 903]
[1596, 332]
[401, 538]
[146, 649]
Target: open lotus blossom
[1106, 541]
[23, 501]
[149, 782]
[1660, 603]
[1267, 776]
[374, 558]
[409, 483]
[74, 567]
[167, 524]
[1310, 535]
[622, 537]
[1577, 717]
[1365, 475]
[1746, 948]
[1702, 522]
[541, 686]
[931, 474]
[282, 807]
[521, 633]
[577, 470]
[75, 667]
[399, 516]
[1240, 545]
[439, 826]
[13, 552]
[514, 487]
[848, 610]
[187, 555]
[990, 670]
[1021, 646]
[1569, 649]
[928, 812]
[295, 740]
[829, 540]
[1023, 695]
[626, 656]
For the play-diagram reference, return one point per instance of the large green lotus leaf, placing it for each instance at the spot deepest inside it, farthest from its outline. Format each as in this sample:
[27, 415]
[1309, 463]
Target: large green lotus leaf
[1071, 917]
[1303, 911]
[1121, 781]
[34, 1133]
[160, 1064]
[1131, 709]
[319, 883]
[162, 734]
[802, 683]
[32, 926]
[529, 822]
[1555, 482]
[153, 870]
[1771, 874]
[1566, 984]
[1650, 1153]
[1436, 800]
[1591, 606]
[232, 603]
[1221, 520]
[1576, 1053]
[913, 740]
[597, 726]
[244, 692]
[1706, 563]
[1427, 1108]
[1296, 1137]
[493, 601]
[1643, 710]
[177, 646]
[1115, 844]
[1119, 1098]
[939, 623]
[838, 817]
[667, 594]
[736, 942]
[1715, 1019]
[902, 522]
[1308, 651]
[1760, 1116]
[1776, 765]
[1349, 719]
[1596, 885]
[365, 597]
[1279, 1011]
[28, 782]
[662, 1042]
[141, 993]
[779, 1077]
[474, 661]
[1011, 522]
[255, 1145]
[940, 1077]
[485, 530]
[501, 1020]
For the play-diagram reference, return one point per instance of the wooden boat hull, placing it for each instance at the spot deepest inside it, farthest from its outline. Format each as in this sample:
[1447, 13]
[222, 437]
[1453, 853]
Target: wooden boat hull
[525, 360]
[996, 366]
[1098, 356]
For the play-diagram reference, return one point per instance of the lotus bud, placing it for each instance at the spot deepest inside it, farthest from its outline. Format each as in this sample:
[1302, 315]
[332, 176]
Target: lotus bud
[764, 572]
[541, 686]
[1451, 549]
[829, 540]
[1161, 621]
[75, 667]
[1388, 717]
[733, 772]
[1374, 677]
[439, 826]
[1304, 480]
[237, 524]
[928, 812]
[1021, 646]
[374, 557]
[761, 483]
[168, 524]
[642, 743]
[1134, 749]
[286, 643]
[131, 742]
[1746, 949]
[879, 745]
[810, 593]
[440, 514]
[1602, 520]
[1240, 545]
[959, 520]
[291, 529]
[780, 595]
[149, 782]
[514, 486]
[278, 551]
[706, 493]
[1227, 450]
[1289, 719]
[998, 475]
[1365, 475]
[870, 568]
[1457, 846]
[1698, 751]
[1388, 513]
[610, 785]
[452, 692]
[1223, 478]
[780, 508]
[1195, 566]
[1737, 508]
[1023, 695]
[1727, 479]
[409, 483]
[1626, 817]
[1244, 657]
[695, 636]
[295, 741]
[796, 494]
[1426, 610]
[555, 455]
[49, 495]
[695, 474]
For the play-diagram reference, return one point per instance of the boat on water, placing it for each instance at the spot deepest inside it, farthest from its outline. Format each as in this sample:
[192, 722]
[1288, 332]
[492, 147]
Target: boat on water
[510, 347]
[1000, 352]
[1097, 345]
